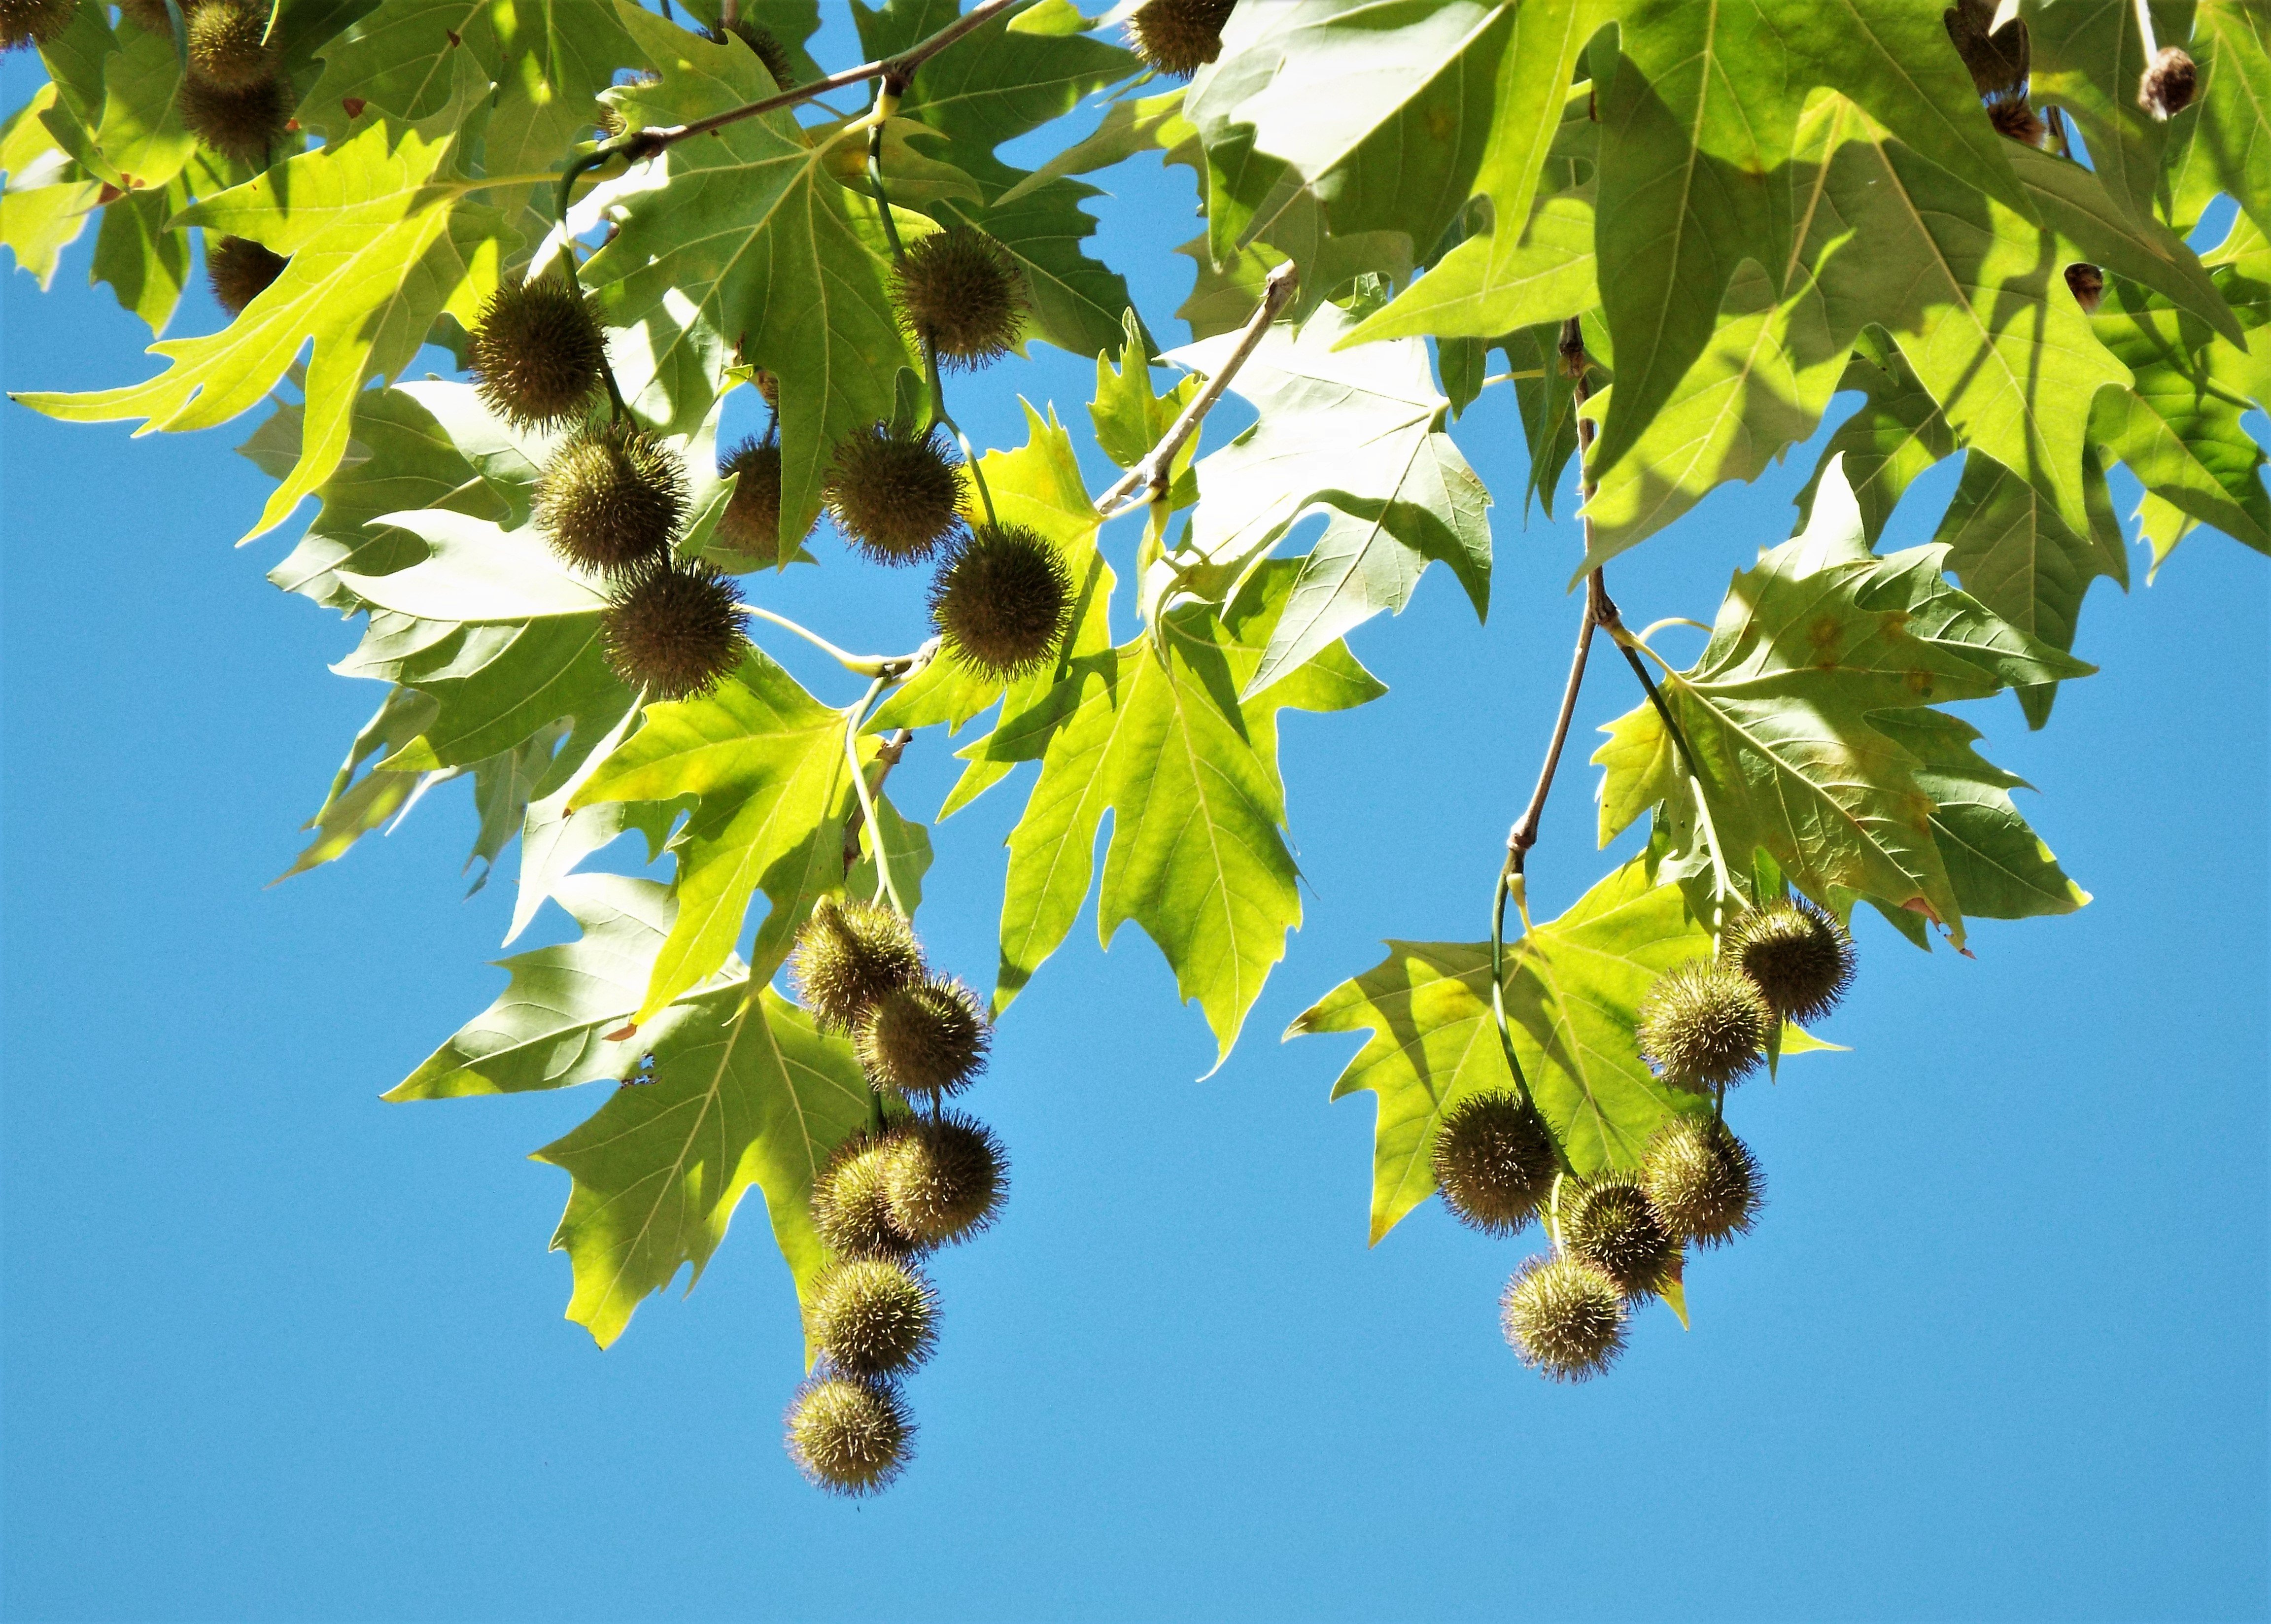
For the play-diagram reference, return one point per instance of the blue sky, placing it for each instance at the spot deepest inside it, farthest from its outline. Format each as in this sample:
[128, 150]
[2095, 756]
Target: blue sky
[273, 1350]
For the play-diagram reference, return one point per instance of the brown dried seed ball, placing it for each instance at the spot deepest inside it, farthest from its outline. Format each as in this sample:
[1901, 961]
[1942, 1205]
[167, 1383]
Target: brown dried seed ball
[849, 1435]
[1004, 601]
[2170, 84]
[896, 497]
[612, 498]
[227, 43]
[1611, 1225]
[2011, 115]
[923, 1041]
[751, 524]
[674, 630]
[873, 1317]
[945, 1178]
[33, 22]
[960, 290]
[240, 270]
[1494, 1161]
[851, 1205]
[1179, 37]
[1564, 1317]
[847, 956]
[1794, 953]
[769, 49]
[1702, 1180]
[246, 124]
[2087, 284]
[1702, 1025]
[537, 353]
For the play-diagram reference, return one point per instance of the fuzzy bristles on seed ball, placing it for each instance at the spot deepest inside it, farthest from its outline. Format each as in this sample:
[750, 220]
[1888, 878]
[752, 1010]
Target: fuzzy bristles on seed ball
[1564, 1317]
[674, 630]
[1611, 1225]
[1494, 1161]
[611, 499]
[924, 1041]
[1796, 954]
[873, 1317]
[2170, 84]
[1702, 1180]
[1702, 1025]
[849, 955]
[960, 290]
[946, 1179]
[1179, 37]
[751, 524]
[769, 49]
[240, 270]
[33, 22]
[1004, 601]
[897, 497]
[851, 1201]
[849, 1435]
[537, 354]
[228, 43]
[245, 124]
[2087, 283]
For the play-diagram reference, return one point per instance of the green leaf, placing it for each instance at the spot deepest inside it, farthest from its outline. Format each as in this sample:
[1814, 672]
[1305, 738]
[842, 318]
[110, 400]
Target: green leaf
[133, 139]
[2088, 58]
[2000, 867]
[48, 197]
[1896, 436]
[1484, 286]
[2228, 148]
[355, 807]
[146, 265]
[1137, 126]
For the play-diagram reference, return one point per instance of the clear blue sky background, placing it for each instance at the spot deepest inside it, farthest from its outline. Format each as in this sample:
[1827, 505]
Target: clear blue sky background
[274, 1350]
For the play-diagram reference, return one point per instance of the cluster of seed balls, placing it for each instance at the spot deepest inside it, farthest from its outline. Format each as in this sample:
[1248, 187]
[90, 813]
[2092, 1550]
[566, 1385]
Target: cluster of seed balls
[1621, 1236]
[927, 1178]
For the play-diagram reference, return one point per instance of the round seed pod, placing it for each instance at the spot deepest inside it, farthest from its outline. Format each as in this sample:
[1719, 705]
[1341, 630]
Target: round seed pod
[1703, 1182]
[2011, 115]
[674, 630]
[1004, 601]
[240, 270]
[1494, 1161]
[769, 49]
[927, 1041]
[1796, 954]
[751, 524]
[537, 353]
[849, 955]
[228, 43]
[1702, 1025]
[896, 497]
[874, 1316]
[1612, 1226]
[148, 15]
[1179, 37]
[2170, 84]
[1564, 1317]
[2087, 283]
[946, 1179]
[960, 290]
[246, 124]
[849, 1435]
[612, 498]
[33, 22]
[851, 1205]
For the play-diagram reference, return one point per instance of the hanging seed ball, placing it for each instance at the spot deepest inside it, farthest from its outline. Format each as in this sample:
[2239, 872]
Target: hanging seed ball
[1796, 954]
[751, 524]
[537, 353]
[2087, 283]
[768, 387]
[1564, 1317]
[1702, 1180]
[240, 270]
[148, 15]
[1612, 1226]
[245, 124]
[874, 1316]
[227, 43]
[945, 1178]
[612, 498]
[1702, 1025]
[769, 49]
[33, 22]
[1179, 37]
[849, 1435]
[849, 955]
[674, 630]
[851, 1206]
[2011, 115]
[1004, 601]
[2169, 84]
[960, 289]
[896, 497]
[1493, 1161]
[927, 1041]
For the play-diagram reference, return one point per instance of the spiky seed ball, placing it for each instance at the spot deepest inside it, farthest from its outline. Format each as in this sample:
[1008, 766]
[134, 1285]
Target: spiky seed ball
[851, 1202]
[850, 954]
[1702, 1180]
[2013, 116]
[1494, 1161]
[227, 43]
[2087, 283]
[751, 524]
[1796, 954]
[33, 22]
[945, 1178]
[849, 1435]
[149, 15]
[246, 124]
[873, 1317]
[1702, 1025]
[1179, 37]
[895, 496]
[1564, 1317]
[769, 49]
[674, 630]
[924, 1041]
[611, 498]
[537, 353]
[1004, 601]
[2169, 84]
[240, 270]
[960, 289]
[1610, 1224]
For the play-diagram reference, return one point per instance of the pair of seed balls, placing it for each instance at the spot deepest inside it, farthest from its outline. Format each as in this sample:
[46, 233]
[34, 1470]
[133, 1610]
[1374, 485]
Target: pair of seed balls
[1706, 1024]
[231, 99]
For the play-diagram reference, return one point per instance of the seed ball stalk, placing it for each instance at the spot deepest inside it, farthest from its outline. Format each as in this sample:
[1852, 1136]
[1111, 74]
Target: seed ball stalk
[1494, 1161]
[1003, 602]
[851, 1435]
[848, 955]
[1564, 1318]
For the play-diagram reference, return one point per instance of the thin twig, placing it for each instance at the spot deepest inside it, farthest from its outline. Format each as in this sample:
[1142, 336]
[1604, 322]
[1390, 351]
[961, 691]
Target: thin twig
[1155, 473]
[853, 719]
[887, 756]
[897, 667]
